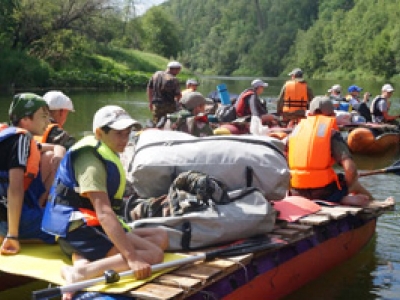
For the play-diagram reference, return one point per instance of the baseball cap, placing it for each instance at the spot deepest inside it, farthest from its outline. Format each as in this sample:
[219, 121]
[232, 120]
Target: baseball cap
[174, 65]
[192, 81]
[323, 104]
[354, 88]
[114, 117]
[335, 87]
[193, 99]
[58, 100]
[25, 104]
[387, 88]
[258, 82]
[297, 72]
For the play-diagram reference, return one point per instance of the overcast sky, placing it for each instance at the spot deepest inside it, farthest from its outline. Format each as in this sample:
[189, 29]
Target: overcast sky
[143, 5]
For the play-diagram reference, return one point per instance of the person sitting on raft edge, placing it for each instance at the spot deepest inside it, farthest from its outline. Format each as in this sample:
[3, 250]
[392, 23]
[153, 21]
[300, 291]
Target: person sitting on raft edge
[314, 147]
[85, 199]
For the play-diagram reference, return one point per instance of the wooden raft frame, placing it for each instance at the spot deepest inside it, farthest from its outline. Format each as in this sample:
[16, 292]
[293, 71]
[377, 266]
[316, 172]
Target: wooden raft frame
[191, 279]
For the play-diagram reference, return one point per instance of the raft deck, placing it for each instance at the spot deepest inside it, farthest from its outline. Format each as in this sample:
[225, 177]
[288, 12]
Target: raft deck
[196, 280]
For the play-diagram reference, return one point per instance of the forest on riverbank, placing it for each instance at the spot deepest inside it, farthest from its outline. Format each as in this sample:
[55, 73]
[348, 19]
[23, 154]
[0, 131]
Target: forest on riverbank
[103, 44]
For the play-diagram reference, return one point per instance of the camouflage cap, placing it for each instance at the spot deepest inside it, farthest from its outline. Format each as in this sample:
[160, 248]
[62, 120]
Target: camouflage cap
[25, 104]
[322, 105]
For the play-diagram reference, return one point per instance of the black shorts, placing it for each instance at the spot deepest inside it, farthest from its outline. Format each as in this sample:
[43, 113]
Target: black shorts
[330, 192]
[91, 242]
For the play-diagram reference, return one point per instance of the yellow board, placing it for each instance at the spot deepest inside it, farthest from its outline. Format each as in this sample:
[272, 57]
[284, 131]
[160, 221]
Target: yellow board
[45, 262]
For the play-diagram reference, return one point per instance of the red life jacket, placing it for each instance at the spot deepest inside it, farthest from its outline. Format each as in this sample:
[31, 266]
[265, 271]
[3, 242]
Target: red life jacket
[242, 104]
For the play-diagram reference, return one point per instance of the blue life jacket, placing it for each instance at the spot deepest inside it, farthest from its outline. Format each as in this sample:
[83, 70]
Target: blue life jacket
[65, 203]
[33, 185]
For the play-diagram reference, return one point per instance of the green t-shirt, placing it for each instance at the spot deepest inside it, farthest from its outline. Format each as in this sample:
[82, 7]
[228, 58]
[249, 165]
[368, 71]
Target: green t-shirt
[90, 172]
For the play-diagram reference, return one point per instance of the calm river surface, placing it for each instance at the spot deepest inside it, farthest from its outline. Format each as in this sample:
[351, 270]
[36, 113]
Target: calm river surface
[372, 274]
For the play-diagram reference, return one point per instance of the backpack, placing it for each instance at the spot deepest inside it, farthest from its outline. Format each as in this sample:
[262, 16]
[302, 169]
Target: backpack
[190, 191]
[226, 113]
[207, 223]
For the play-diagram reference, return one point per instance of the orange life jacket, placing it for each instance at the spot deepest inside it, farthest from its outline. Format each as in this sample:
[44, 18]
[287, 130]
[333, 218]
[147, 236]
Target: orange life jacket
[32, 167]
[43, 138]
[309, 156]
[295, 96]
[242, 104]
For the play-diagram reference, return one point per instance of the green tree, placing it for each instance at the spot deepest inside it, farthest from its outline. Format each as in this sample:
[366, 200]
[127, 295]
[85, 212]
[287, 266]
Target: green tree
[161, 33]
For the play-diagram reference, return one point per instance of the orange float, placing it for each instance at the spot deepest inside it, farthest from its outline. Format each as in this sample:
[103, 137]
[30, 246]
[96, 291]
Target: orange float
[364, 141]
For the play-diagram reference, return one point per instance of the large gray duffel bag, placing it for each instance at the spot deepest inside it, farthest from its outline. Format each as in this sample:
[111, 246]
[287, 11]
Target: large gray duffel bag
[248, 215]
[238, 161]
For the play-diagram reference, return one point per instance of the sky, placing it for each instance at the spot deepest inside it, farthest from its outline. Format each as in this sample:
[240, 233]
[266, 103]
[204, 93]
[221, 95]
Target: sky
[143, 5]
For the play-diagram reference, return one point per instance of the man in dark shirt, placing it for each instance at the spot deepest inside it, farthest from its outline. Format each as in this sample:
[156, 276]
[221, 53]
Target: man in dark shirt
[163, 91]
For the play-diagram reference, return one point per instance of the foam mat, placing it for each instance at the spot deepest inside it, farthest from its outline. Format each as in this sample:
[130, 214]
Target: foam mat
[44, 262]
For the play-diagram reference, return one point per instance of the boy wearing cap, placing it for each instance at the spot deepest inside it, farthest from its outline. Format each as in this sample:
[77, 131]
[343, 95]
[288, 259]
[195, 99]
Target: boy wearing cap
[250, 104]
[163, 91]
[314, 147]
[24, 163]
[59, 105]
[294, 98]
[191, 86]
[85, 199]
[380, 106]
[192, 118]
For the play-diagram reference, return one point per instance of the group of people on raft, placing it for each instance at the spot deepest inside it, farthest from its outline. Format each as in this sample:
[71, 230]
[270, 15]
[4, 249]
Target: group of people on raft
[73, 191]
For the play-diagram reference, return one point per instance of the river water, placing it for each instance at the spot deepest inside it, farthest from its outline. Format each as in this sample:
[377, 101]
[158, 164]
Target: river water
[372, 274]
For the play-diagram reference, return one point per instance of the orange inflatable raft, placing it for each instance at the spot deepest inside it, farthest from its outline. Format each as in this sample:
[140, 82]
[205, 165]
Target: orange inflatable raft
[373, 140]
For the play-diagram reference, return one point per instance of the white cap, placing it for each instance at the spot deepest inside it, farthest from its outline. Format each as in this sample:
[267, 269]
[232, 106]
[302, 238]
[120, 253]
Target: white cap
[174, 64]
[258, 82]
[58, 100]
[387, 88]
[114, 117]
[192, 82]
[335, 87]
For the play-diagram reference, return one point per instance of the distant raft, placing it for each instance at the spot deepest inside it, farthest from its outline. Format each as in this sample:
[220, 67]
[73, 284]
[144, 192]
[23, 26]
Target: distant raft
[373, 140]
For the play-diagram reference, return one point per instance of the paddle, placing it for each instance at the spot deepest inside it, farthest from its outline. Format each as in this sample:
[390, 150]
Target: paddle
[239, 248]
[394, 169]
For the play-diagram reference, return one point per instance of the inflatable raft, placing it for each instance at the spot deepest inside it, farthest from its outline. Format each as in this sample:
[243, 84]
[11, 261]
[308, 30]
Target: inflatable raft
[373, 139]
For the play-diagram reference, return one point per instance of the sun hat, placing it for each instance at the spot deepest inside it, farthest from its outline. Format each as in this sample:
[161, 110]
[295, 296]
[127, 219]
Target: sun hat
[25, 104]
[174, 65]
[354, 88]
[192, 82]
[114, 117]
[336, 88]
[193, 99]
[58, 100]
[258, 82]
[387, 88]
[297, 72]
[323, 104]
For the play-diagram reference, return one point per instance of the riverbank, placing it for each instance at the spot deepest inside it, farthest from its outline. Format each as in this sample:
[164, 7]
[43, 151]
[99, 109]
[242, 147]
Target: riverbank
[111, 69]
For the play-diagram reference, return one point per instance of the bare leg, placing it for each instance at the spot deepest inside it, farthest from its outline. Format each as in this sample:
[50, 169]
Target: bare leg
[148, 250]
[48, 174]
[356, 200]
[156, 236]
[357, 188]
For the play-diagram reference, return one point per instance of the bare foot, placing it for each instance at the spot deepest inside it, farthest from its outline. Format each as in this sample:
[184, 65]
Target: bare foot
[356, 200]
[70, 275]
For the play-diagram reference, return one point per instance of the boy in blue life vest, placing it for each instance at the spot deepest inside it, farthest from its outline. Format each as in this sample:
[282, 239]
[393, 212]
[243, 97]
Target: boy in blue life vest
[24, 163]
[85, 199]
